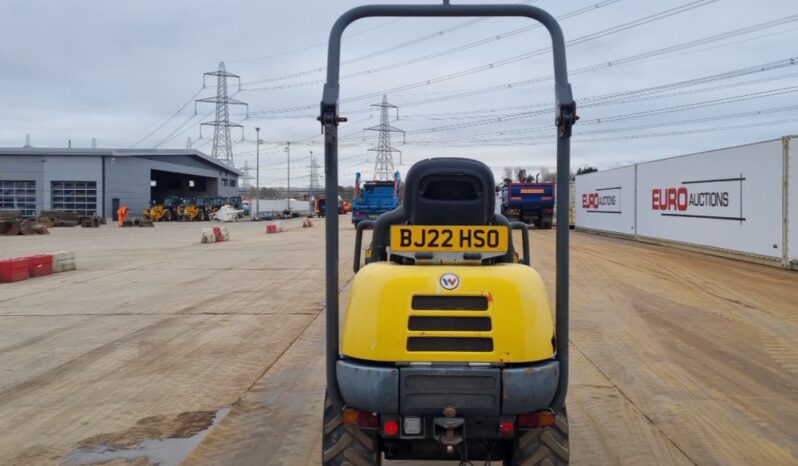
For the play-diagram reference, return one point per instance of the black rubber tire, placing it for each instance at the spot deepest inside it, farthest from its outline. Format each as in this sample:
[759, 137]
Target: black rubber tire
[544, 446]
[346, 445]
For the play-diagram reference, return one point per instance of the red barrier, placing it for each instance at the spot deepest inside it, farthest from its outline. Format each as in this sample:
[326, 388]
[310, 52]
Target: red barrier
[271, 228]
[40, 265]
[14, 270]
[217, 233]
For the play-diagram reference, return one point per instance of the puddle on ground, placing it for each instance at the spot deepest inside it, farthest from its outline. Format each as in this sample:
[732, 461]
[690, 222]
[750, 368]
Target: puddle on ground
[168, 451]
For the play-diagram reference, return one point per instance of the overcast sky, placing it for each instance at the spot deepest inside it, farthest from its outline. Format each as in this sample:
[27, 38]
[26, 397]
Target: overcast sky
[121, 71]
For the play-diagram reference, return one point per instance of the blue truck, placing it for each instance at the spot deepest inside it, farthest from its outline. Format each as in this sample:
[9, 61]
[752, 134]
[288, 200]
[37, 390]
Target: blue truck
[374, 198]
[528, 202]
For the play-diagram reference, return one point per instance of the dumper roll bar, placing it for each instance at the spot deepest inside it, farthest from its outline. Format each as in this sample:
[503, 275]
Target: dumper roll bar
[565, 108]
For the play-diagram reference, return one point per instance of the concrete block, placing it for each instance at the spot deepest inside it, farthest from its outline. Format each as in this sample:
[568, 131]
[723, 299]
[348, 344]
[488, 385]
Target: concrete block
[63, 261]
[208, 236]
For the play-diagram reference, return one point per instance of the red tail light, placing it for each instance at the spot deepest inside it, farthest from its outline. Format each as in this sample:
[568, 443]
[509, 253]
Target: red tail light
[355, 417]
[538, 419]
[506, 429]
[390, 428]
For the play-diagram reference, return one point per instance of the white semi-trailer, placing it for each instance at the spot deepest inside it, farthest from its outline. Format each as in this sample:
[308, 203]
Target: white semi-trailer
[741, 200]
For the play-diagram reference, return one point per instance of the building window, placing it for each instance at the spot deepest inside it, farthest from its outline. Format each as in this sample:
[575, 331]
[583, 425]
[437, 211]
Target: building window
[18, 195]
[75, 196]
[233, 182]
[224, 182]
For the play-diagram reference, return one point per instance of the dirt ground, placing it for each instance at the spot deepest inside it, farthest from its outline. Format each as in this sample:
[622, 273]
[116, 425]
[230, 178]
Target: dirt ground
[161, 350]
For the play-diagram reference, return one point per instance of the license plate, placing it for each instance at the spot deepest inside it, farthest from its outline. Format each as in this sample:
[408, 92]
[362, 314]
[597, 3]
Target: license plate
[449, 238]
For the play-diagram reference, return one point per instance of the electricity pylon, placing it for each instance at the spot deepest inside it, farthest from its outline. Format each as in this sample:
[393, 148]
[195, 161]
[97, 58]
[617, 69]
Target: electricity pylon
[222, 144]
[383, 166]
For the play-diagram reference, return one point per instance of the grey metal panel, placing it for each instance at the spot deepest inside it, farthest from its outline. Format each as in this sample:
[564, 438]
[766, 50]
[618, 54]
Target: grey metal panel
[471, 390]
[185, 160]
[228, 191]
[529, 389]
[369, 388]
[128, 179]
[166, 165]
[163, 153]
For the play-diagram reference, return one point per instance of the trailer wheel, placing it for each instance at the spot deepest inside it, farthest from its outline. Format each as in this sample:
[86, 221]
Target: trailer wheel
[346, 445]
[544, 445]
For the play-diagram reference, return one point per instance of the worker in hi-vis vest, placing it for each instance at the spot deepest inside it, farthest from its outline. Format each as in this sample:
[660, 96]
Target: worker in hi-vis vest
[122, 213]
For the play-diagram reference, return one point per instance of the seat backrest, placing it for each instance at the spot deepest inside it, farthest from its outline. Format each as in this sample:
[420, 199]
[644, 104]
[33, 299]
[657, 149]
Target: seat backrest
[449, 191]
[442, 191]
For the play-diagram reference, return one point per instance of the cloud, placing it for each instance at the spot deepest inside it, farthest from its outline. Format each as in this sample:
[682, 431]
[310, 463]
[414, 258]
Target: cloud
[115, 70]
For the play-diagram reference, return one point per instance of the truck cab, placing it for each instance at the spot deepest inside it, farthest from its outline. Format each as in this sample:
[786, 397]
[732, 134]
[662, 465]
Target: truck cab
[374, 198]
[528, 201]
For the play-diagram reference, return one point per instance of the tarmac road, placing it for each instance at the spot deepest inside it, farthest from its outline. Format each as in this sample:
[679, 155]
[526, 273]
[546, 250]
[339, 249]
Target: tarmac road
[678, 357]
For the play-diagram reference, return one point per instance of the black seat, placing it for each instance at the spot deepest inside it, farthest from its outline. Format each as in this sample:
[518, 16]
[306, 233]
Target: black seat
[441, 191]
[449, 191]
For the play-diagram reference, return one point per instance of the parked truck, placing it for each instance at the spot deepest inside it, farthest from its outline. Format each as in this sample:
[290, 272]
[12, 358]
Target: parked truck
[374, 198]
[318, 206]
[528, 201]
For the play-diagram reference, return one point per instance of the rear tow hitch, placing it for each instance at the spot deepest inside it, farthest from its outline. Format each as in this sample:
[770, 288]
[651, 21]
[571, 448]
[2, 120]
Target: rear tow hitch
[449, 430]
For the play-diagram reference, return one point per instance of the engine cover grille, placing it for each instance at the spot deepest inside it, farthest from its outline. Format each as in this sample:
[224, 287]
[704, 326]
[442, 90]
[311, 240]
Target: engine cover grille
[452, 344]
[428, 390]
[449, 303]
[468, 324]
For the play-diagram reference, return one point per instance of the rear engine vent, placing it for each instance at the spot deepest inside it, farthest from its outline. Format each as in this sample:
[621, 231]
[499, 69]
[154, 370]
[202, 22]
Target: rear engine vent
[453, 344]
[457, 324]
[450, 303]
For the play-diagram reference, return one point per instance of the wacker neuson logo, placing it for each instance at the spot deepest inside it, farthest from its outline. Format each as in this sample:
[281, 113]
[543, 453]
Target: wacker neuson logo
[718, 199]
[603, 201]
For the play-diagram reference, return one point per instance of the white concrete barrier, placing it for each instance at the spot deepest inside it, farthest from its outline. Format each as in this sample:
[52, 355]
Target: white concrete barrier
[63, 261]
[208, 236]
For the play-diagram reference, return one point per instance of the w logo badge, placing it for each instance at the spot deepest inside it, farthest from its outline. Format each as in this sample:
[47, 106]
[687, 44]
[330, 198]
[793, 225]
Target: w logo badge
[450, 281]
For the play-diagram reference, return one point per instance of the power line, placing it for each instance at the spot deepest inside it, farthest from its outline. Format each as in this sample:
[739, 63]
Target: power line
[182, 127]
[312, 46]
[492, 38]
[514, 59]
[618, 97]
[648, 113]
[628, 96]
[623, 61]
[578, 135]
[171, 116]
[392, 48]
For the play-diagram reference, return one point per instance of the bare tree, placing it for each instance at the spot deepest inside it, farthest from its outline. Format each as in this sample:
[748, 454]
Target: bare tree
[547, 176]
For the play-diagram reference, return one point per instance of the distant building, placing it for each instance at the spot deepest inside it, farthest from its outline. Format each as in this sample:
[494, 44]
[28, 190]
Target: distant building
[99, 181]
